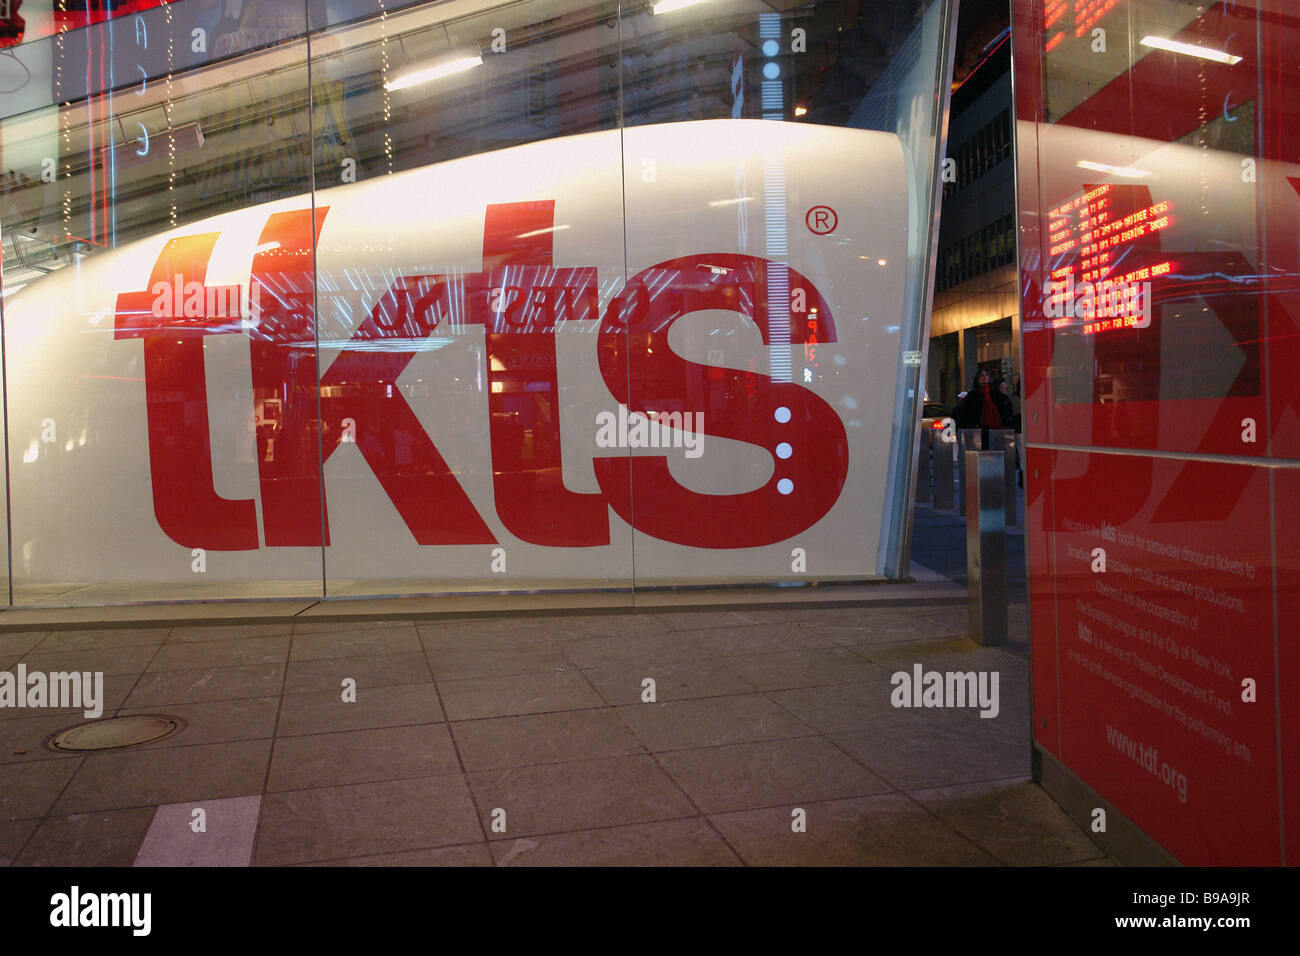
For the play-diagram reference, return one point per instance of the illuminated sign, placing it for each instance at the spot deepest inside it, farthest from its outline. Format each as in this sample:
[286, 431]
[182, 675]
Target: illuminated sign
[1105, 233]
[1062, 18]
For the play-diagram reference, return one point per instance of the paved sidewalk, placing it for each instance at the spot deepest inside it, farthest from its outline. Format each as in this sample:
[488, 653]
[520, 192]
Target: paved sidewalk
[526, 740]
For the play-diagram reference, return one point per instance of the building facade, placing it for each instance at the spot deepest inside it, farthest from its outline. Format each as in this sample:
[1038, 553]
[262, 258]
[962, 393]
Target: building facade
[974, 324]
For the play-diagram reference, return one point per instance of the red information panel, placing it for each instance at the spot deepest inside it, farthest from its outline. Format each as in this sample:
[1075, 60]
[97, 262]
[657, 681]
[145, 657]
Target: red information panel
[1165, 653]
[1158, 147]
[1286, 491]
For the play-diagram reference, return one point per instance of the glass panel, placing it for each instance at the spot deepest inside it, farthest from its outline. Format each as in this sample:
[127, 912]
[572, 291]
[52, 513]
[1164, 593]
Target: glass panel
[780, 169]
[146, 165]
[368, 297]
[472, 235]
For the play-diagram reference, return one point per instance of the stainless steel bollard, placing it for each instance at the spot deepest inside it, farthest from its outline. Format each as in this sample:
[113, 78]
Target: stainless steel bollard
[943, 477]
[968, 439]
[1004, 440]
[923, 442]
[1012, 459]
[986, 546]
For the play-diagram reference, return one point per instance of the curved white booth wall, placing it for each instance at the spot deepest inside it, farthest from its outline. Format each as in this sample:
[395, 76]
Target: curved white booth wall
[790, 231]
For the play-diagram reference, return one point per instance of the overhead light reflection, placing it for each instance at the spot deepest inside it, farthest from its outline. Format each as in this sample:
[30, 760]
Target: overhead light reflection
[541, 232]
[1129, 172]
[668, 6]
[1203, 52]
[435, 72]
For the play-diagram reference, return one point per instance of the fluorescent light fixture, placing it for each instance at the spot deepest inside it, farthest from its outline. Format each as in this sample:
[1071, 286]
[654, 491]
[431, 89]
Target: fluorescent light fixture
[1128, 172]
[541, 232]
[731, 202]
[434, 72]
[1204, 52]
[668, 6]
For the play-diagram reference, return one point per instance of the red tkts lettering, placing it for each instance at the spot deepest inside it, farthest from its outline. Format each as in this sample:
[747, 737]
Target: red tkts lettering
[519, 297]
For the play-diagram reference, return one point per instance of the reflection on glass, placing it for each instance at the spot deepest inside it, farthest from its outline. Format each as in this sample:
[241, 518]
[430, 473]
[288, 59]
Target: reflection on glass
[359, 297]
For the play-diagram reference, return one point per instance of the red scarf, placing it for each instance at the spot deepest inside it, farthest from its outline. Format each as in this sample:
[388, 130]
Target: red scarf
[989, 417]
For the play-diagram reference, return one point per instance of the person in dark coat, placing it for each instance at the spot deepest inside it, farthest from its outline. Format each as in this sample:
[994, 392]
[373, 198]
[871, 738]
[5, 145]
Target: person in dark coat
[984, 407]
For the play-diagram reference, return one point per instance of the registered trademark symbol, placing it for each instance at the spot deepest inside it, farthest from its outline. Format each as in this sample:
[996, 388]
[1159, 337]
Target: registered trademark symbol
[821, 220]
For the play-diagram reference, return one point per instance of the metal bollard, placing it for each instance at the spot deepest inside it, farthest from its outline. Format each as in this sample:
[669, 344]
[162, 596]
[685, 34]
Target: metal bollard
[968, 439]
[1004, 440]
[943, 477]
[923, 442]
[1013, 458]
[986, 546]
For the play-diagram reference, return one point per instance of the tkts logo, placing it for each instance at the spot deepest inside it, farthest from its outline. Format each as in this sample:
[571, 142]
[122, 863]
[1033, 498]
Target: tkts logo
[519, 298]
